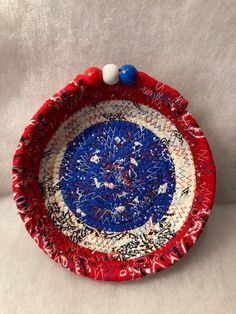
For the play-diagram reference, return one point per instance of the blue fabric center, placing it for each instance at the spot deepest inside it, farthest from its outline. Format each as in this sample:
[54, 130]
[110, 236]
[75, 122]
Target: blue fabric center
[115, 175]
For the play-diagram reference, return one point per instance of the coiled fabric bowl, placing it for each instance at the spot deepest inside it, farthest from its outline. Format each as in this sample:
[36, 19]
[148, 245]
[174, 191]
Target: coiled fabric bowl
[114, 182]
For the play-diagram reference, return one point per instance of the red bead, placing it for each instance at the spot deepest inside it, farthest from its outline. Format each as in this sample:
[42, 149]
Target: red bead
[93, 76]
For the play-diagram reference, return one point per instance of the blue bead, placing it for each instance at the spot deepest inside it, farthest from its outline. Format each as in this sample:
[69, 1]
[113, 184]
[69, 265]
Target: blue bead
[128, 74]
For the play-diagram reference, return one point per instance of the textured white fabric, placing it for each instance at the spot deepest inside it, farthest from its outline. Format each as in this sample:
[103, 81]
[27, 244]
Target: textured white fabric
[190, 45]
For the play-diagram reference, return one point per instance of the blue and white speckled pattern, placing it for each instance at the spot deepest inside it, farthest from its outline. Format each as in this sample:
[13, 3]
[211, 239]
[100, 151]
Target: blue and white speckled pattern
[115, 175]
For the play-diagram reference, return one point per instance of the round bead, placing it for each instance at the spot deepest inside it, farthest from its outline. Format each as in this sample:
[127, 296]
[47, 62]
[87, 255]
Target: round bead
[110, 74]
[93, 76]
[128, 74]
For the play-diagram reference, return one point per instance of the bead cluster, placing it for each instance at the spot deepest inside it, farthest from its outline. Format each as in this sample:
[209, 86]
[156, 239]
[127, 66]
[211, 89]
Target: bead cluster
[110, 74]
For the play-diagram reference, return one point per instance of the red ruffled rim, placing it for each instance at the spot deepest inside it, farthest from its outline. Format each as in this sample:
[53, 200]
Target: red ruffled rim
[30, 203]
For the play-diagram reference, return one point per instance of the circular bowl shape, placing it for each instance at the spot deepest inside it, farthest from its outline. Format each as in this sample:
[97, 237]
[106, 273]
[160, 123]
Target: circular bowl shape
[114, 182]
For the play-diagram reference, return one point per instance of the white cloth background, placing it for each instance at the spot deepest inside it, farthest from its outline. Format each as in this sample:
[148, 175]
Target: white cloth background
[190, 45]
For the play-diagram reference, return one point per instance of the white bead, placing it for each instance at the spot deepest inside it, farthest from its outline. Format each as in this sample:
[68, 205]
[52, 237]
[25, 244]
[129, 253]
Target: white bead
[110, 74]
